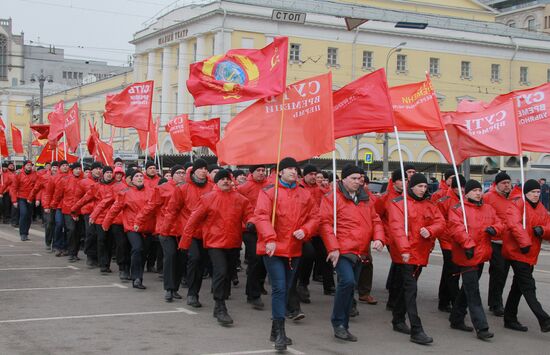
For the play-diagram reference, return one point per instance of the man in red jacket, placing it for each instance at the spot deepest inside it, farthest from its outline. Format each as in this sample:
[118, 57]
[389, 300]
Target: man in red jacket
[280, 238]
[151, 178]
[21, 189]
[522, 247]
[220, 215]
[59, 237]
[470, 251]
[443, 185]
[410, 250]
[357, 224]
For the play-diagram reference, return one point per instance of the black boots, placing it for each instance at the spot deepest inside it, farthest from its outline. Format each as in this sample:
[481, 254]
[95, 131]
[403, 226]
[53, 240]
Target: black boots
[124, 273]
[220, 313]
[280, 334]
[421, 338]
[273, 335]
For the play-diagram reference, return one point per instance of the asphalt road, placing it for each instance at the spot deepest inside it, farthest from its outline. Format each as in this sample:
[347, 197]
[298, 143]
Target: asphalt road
[49, 306]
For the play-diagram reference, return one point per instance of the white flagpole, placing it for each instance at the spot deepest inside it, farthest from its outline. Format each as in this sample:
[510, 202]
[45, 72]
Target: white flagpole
[81, 156]
[65, 145]
[334, 187]
[449, 146]
[404, 177]
[147, 147]
[522, 184]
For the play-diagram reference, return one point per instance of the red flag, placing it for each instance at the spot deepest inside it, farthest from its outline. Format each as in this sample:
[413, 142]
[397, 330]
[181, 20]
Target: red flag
[415, 107]
[48, 152]
[2, 125]
[362, 106]
[16, 140]
[90, 142]
[57, 123]
[240, 75]
[178, 127]
[72, 128]
[153, 137]
[471, 106]
[533, 114]
[131, 107]
[205, 133]
[493, 131]
[4, 151]
[101, 151]
[252, 137]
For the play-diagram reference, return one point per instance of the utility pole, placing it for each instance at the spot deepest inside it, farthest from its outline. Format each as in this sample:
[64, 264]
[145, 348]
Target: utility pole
[41, 80]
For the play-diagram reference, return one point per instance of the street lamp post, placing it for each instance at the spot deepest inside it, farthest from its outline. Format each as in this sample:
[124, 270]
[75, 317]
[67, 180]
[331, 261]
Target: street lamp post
[41, 80]
[385, 146]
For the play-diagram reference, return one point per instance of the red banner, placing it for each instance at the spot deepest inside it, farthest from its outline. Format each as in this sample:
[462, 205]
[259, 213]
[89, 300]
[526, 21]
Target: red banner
[205, 133]
[492, 132]
[362, 106]
[131, 107]
[4, 144]
[48, 152]
[415, 107]
[252, 137]
[471, 106]
[16, 140]
[240, 75]
[179, 130]
[101, 151]
[56, 118]
[151, 140]
[72, 128]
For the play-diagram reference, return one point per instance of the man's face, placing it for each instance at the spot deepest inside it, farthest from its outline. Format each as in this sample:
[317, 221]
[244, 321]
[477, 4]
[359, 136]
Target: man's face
[475, 194]
[11, 167]
[505, 186]
[151, 171]
[77, 171]
[128, 180]
[410, 172]
[259, 174]
[48, 166]
[28, 167]
[54, 170]
[241, 179]
[137, 180]
[352, 182]
[319, 179]
[455, 190]
[362, 180]
[311, 178]
[201, 173]
[289, 175]
[533, 195]
[108, 176]
[420, 189]
[449, 181]
[224, 184]
[118, 164]
[118, 177]
[179, 176]
[96, 172]
[213, 173]
[87, 173]
[398, 185]
[64, 168]
[168, 176]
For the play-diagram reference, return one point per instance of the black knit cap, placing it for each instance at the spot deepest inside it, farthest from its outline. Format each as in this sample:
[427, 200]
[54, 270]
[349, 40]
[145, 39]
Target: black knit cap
[448, 173]
[408, 167]
[118, 160]
[350, 169]
[238, 173]
[212, 167]
[501, 177]
[310, 169]
[198, 164]
[96, 165]
[176, 168]
[75, 165]
[222, 173]
[416, 179]
[87, 168]
[5, 164]
[133, 172]
[55, 163]
[396, 175]
[462, 179]
[27, 162]
[472, 184]
[106, 169]
[149, 164]
[253, 168]
[187, 165]
[531, 185]
[129, 172]
[288, 162]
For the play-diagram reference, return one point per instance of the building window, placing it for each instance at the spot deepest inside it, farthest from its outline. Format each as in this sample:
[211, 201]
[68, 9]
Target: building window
[531, 25]
[367, 60]
[523, 73]
[332, 56]
[161, 60]
[3, 57]
[80, 75]
[401, 63]
[75, 75]
[64, 75]
[434, 67]
[177, 56]
[465, 70]
[294, 54]
[495, 73]
[70, 75]
[548, 75]
[195, 52]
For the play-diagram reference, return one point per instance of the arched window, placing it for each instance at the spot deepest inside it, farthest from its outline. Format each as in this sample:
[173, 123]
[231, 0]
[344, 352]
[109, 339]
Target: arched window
[3, 57]
[530, 24]
[511, 23]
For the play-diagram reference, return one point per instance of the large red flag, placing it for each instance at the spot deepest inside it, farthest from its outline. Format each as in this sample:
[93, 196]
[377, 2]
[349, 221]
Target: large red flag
[72, 128]
[252, 137]
[48, 152]
[151, 140]
[240, 75]
[533, 113]
[415, 107]
[57, 122]
[4, 151]
[471, 106]
[493, 131]
[205, 133]
[101, 151]
[131, 107]
[16, 140]
[362, 106]
[178, 127]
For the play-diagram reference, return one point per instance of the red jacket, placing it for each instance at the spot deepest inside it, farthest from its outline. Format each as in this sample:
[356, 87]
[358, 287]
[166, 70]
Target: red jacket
[442, 191]
[55, 186]
[37, 193]
[219, 216]
[129, 202]
[444, 204]
[519, 237]
[251, 188]
[357, 224]
[478, 217]
[157, 206]
[296, 209]
[65, 194]
[106, 195]
[150, 182]
[421, 213]
[7, 180]
[501, 205]
[22, 185]
[85, 185]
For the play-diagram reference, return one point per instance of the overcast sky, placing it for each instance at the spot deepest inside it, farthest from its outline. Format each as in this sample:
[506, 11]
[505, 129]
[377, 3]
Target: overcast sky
[86, 29]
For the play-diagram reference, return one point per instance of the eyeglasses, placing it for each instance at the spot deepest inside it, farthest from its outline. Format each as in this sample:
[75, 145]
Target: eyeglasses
[179, 172]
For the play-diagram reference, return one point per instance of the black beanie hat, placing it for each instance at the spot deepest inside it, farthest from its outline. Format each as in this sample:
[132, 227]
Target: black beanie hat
[198, 164]
[149, 163]
[310, 169]
[238, 173]
[5, 164]
[531, 185]
[350, 169]
[75, 165]
[288, 163]
[253, 168]
[448, 174]
[27, 162]
[118, 160]
[408, 167]
[472, 184]
[222, 173]
[106, 169]
[396, 175]
[501, 177]
[96, 165]
[87, 167]
[187, 165]
[176, 168]
[212, 167]
[55, 163]
[416, 179]
[162, 181]
[129, 172]
[133, 172]
[462, 179]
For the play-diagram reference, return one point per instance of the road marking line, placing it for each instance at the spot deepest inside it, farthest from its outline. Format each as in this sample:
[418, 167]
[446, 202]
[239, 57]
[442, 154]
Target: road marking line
[542, 271]
[34, 254]
[268, 351]
[177, 310]
[114, 285]
[7, 245]
[40, 268]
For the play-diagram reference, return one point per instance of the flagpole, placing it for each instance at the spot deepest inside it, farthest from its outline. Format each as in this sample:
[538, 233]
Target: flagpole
[449, 146]
[334, 189]
[279, 148]
[65, 145]
[81, 156]
[522, 184]
[404, 177]
[146, 147]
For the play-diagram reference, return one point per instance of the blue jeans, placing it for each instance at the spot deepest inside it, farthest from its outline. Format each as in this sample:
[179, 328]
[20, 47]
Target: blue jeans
[281, 272]
[25, 217]
[60, 239]
[348, 274]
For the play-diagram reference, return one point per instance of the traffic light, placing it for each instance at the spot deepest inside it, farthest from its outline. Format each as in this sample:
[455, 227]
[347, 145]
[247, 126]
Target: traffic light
[513, 162]
[491, 165]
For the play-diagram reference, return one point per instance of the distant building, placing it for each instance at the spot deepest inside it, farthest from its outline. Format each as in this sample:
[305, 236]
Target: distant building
[531, 15]
[11, 55]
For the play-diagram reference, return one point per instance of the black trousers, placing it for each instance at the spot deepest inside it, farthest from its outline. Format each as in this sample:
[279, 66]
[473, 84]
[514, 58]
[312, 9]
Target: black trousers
[174, 262]
[197, 257]
[49, 225]
[74, 231]
[122, 249]
[6, 208]
[90, 243]
[223, 261]
[406, 299]
[137, 260]
[315, 252]
[498, 272]
[255, 272]
[364, 284]
[523, 284]
[154, 254]
[448, 284]
[104, 246]
[393, 284]
[14, 215]
[469, 298]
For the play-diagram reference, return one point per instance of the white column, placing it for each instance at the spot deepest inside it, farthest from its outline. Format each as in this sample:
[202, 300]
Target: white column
[217, 111]
[202, 53]
[137, 67]
[166, 92]
[183, 74]
[151, 65]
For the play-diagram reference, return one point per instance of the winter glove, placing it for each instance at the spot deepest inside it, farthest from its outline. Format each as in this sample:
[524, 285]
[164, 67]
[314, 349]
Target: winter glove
[525, 250]
[491, 231]
[538, 231]
[251, 227]
[469, 253]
